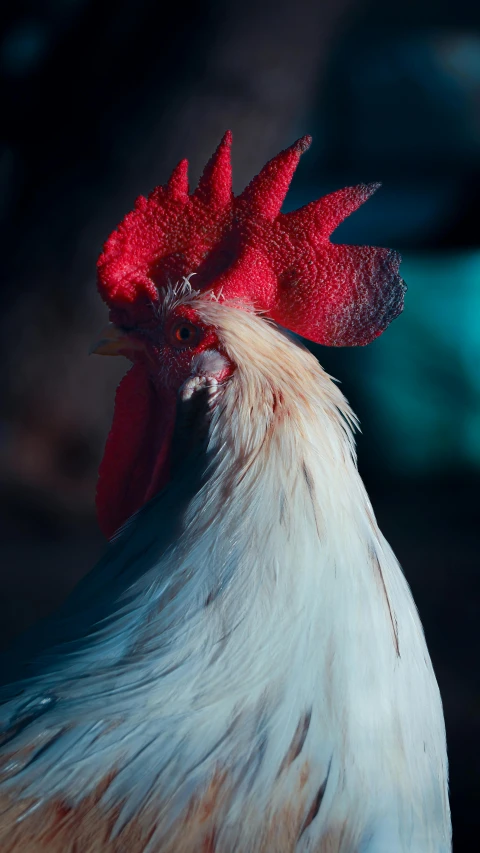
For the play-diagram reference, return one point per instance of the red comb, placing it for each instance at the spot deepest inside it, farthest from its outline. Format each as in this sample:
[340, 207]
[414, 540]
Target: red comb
[244, 248]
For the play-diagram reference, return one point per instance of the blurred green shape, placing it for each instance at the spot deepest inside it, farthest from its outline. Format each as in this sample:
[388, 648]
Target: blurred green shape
[423, 378]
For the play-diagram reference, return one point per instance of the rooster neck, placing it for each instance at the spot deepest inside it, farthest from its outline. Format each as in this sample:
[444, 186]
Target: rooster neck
[249, 630]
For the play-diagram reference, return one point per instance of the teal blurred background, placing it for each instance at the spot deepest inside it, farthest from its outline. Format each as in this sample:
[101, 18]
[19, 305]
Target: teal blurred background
[100, 99]
[426, 372]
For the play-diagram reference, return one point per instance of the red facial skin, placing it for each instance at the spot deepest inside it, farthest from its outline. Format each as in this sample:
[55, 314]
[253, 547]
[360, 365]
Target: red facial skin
[240, 248]
[136, 463]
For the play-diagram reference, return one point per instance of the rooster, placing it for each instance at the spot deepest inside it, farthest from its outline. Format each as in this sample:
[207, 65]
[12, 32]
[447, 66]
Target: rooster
[244, 670]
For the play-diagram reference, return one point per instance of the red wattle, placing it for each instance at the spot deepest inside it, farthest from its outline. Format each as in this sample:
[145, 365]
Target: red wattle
[244, 249]
[135, 463]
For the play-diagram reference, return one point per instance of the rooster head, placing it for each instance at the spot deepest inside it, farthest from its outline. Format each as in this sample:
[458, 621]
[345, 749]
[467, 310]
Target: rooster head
[242, 250]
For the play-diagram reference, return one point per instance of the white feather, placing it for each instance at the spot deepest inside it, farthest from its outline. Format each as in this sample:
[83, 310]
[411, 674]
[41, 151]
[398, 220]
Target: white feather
[255, 591]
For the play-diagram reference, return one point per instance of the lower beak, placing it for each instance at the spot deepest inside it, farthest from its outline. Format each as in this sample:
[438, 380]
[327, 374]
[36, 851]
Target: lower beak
[112, 341]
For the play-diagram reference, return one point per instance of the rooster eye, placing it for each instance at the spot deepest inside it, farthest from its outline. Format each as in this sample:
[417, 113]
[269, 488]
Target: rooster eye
[184, 334]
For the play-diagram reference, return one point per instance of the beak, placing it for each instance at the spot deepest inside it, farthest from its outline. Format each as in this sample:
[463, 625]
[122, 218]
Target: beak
[112, 341]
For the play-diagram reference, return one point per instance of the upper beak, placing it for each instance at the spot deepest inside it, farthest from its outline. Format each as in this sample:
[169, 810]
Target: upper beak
[112, 341]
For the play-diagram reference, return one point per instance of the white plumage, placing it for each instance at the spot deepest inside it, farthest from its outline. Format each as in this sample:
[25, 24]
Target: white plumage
[249, 633]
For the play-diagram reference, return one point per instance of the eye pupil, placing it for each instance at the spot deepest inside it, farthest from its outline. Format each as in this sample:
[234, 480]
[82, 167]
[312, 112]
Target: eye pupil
[184, 334]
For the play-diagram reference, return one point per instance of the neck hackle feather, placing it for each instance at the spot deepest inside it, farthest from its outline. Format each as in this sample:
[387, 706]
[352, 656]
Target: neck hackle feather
[244, 671]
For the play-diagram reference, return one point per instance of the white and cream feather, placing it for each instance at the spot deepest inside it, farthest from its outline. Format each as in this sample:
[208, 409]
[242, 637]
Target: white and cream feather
[248, 642]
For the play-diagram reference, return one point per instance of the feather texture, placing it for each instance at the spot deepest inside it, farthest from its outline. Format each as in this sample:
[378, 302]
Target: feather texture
[245, 669]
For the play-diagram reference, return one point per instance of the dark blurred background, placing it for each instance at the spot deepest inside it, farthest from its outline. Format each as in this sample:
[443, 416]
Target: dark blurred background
[99, 101]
